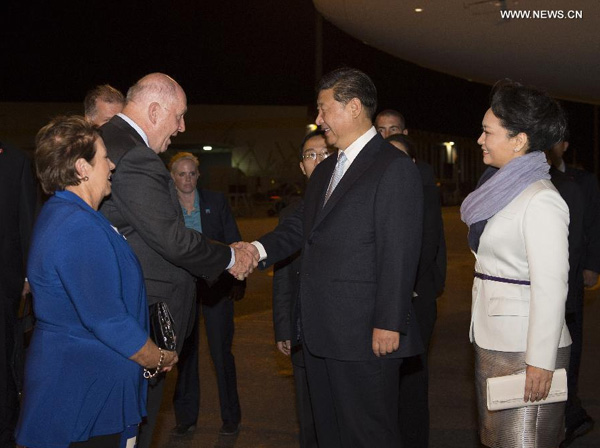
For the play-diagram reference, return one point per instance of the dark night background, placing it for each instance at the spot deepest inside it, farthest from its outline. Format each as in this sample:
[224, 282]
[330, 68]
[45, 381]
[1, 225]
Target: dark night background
[237, 52]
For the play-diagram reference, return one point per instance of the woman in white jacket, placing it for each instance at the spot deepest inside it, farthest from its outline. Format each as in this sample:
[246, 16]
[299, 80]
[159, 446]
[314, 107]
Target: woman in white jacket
[518, 230]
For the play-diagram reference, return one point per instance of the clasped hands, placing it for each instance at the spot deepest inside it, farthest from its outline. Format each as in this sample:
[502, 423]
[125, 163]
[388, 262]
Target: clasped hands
[246, 259]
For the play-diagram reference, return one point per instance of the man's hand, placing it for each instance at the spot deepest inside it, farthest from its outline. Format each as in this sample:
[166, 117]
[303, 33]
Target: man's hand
[537, 383]
[590, 278]
[385, 341]
[248, 247]
[246, 259]
[284, 347]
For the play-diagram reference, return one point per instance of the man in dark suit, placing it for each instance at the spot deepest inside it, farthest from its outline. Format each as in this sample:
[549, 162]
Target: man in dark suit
[17, 211]
[577, 420]
[429, 284]
[207, 212]
[144, 207]
[102, 103]
[357, 269]
[285, 278]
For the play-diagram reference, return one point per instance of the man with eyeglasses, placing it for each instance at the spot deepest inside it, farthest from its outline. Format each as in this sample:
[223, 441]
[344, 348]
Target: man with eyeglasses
[144, 207]
[313, 151]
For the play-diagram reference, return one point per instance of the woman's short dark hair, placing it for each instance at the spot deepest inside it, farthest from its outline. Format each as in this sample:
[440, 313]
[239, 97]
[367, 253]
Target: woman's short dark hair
[528, 110]
[406, 142]
[348, 83]
[58, 145]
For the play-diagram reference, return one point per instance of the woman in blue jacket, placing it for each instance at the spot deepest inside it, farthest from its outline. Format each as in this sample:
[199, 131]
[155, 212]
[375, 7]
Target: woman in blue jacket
[90, 351]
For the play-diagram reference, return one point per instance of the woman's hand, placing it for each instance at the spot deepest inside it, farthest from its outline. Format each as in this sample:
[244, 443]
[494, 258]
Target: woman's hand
[537, 383]
[169, 361]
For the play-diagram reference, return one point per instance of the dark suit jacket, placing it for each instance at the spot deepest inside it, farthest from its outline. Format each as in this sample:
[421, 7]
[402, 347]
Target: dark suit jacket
[431, 273]
[217, 224]
[571, 193]
[357, 269]
[17, 213]
[145, 208]
[591, 225]
[285, 279]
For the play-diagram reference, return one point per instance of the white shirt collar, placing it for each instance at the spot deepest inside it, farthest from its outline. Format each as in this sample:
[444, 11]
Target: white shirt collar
[357, 145]
[134, 125]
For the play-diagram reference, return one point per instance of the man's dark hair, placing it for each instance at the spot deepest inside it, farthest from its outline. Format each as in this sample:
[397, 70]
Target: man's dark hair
[528, 110]
[406, 142]
[348, 83]
[393, 113]
[106, 93]
[307, 137]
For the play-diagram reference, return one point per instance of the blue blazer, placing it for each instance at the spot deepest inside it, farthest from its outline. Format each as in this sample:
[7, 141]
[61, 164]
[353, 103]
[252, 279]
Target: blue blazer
[90, 304]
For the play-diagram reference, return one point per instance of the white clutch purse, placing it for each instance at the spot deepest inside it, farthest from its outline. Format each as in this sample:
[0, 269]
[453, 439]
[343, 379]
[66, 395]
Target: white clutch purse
[506, 392]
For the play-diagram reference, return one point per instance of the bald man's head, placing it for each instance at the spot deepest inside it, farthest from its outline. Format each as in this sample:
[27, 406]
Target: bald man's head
[157, 104]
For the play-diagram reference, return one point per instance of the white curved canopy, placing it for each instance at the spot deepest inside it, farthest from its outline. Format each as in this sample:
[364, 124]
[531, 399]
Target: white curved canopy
[469, 39]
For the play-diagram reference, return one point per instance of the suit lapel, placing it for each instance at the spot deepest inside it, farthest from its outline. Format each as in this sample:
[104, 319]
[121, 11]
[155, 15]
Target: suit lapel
[203, 206]
[362, 162]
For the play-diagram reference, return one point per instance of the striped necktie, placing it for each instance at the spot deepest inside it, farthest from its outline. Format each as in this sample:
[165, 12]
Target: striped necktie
[338, 172]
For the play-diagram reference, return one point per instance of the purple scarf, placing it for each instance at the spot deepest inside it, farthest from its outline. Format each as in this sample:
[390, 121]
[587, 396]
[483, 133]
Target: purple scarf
[499, 190]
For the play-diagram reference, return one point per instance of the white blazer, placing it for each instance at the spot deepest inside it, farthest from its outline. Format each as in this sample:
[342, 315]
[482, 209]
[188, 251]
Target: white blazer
[526, 240]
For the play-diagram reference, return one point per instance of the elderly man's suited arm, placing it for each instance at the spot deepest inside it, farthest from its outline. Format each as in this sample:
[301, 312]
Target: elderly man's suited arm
[143, 197]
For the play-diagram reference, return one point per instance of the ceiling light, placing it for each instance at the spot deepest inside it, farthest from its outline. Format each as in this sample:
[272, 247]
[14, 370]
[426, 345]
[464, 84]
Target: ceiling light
[418, 9]
[207, 148]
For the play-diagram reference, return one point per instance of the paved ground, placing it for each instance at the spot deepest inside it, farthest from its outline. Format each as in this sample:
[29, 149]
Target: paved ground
[265, 376]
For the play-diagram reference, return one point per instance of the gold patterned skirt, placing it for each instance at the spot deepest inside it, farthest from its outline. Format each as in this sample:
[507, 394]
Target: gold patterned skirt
[540, 426]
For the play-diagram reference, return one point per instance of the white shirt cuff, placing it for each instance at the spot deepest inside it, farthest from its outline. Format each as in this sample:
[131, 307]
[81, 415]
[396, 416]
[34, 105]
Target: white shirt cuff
[232, 262]
[261, 250]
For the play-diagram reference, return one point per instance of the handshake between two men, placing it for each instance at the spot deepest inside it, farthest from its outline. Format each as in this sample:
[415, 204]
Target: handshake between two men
[246, 259]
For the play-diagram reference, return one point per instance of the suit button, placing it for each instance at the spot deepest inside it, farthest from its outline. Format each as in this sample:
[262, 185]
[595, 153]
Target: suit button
[310, 241]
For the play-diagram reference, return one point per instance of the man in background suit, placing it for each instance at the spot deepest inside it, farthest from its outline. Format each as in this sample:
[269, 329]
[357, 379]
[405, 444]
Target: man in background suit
[144, 207]
[429, 284]
[17, 212]
[357, 269]
[102, 103]
[431, 278]
[285, 278]
[207, 212]
[390, 122]
[577, 420]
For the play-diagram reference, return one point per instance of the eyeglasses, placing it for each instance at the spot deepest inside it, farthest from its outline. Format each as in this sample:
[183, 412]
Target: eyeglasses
[313, 155]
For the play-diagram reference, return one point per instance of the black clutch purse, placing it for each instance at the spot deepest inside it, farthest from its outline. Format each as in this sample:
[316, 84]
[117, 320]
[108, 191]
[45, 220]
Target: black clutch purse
[162, 329]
